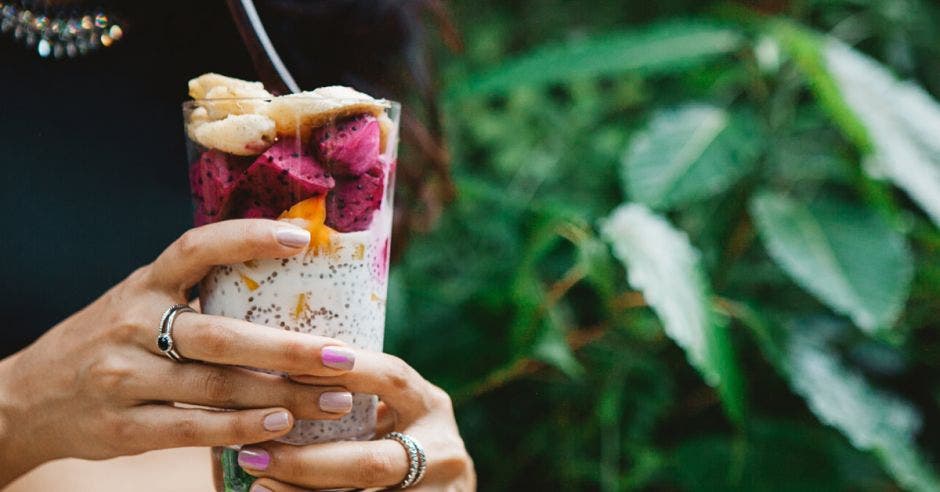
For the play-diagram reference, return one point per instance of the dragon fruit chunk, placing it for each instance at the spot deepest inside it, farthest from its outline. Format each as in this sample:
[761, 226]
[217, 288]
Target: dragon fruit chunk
[350, 145]
[351, 205]
[282, 176]
[213, 179]
[259, 212]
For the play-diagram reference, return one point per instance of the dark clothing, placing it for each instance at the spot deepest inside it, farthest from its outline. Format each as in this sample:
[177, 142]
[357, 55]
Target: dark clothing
[94, 166]
[92, 151]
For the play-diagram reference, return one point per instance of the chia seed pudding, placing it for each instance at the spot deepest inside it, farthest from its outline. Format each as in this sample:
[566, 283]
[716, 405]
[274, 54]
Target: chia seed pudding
[324, 160]
[338, 294]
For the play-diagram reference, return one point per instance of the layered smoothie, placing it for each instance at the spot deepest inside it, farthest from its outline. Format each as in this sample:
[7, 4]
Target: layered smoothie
[324, 160]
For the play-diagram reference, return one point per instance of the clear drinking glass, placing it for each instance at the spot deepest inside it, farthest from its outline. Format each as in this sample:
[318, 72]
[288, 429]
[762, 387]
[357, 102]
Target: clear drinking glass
[321, 171]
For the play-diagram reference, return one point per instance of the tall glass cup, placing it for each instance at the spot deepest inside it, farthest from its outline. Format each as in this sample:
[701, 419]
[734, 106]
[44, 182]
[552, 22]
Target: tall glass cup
[328, 166]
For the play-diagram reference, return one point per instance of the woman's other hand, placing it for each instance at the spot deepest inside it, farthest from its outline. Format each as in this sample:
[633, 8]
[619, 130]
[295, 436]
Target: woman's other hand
[96, 386]
[410, 404]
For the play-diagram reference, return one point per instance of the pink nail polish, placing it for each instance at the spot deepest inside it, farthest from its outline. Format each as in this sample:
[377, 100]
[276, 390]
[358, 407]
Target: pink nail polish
[338, 358]
[276, 421]
[253, 458]
[336, 401]
[293, 237]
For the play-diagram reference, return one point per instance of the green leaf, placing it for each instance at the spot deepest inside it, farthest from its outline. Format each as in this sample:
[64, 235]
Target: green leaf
[537, 328]
[662, 264]
[872, 419]
[902, 120]
[686, 154]
[844, 254]
[662, 48]
[896, 124]
[803, 46]
[552, 348]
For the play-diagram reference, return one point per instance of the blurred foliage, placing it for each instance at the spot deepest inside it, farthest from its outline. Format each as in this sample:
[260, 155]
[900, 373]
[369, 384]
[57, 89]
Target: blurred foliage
[695, 246]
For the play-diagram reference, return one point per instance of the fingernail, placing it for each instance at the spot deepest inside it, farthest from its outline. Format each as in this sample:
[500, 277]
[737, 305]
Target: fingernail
[338, 358]
[293, 237]
[259, 488]
[336, 401]
[256, 459]
[277, 421]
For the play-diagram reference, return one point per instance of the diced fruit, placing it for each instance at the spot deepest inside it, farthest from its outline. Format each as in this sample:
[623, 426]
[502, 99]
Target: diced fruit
[259, 212]
[349, 146]
[251, 283]
[224, 101]
[213, 179]
[312, 215]
[197, 117]
[298, 114]
[301, 305]
[282, 176]
[199, 87]
[351, 205]
[386, 126]
[243, 134]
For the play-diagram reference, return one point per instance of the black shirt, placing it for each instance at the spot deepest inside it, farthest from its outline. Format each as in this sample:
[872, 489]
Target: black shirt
[93, 159]
[92, 150]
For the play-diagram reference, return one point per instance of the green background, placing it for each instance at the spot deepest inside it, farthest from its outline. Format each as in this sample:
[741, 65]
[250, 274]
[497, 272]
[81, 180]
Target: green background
[761, 316]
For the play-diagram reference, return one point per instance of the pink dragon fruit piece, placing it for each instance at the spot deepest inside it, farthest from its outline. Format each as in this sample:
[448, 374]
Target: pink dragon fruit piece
[351, 205]
[212, 179]
[259, 212]
[280, 177]
[350, 145]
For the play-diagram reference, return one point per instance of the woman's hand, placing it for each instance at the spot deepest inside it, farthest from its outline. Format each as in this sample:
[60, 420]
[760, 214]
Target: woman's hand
[96, 386]
[414, 406]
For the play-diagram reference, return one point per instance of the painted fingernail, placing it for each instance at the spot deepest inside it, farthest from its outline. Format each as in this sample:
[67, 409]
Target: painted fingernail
[253, 458]
[336, 402]
[276, 421]
[293, 237]
[338, 358]
[259, 488]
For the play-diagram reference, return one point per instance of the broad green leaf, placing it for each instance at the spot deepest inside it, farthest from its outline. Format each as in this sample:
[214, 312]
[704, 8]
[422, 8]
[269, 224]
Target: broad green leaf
[662, 264]
[902, 120]
[803, 46]
[872, 419]
[895, 123]
[848, 256]
[689, 153]
[595, 258]
[662, 48]
[772, 455]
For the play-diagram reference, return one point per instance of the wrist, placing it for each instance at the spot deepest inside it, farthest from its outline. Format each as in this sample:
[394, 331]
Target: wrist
[17, 455]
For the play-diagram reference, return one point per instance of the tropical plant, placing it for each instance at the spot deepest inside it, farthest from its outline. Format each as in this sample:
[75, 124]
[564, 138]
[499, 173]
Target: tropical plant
[694, 250]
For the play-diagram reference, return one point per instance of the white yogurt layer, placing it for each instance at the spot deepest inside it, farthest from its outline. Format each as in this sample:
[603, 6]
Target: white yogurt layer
[336, 291]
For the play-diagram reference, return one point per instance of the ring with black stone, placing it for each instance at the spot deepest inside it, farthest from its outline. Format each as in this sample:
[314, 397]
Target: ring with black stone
[165, 338]
[417, 459]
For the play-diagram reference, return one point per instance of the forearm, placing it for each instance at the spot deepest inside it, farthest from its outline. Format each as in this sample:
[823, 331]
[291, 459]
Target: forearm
[17, 454]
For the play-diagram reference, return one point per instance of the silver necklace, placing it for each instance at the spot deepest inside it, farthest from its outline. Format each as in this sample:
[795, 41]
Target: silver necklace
[58, 36]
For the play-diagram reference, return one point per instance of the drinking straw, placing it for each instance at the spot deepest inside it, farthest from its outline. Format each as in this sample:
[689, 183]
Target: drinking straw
[274, 74]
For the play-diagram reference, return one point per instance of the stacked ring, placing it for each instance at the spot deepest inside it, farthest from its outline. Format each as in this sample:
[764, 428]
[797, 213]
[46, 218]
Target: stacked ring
[165, 337]
[417, 459]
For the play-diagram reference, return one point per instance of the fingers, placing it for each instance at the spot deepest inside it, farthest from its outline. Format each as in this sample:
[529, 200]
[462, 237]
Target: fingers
[221, 340]
[381, 463]
[164, 426]
[396, 383]
[236, 388]
[385, 419]
[190, 257]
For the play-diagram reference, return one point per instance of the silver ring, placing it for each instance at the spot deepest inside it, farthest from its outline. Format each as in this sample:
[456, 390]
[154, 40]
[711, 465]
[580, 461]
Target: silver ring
[417, 459]
[165, 337]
